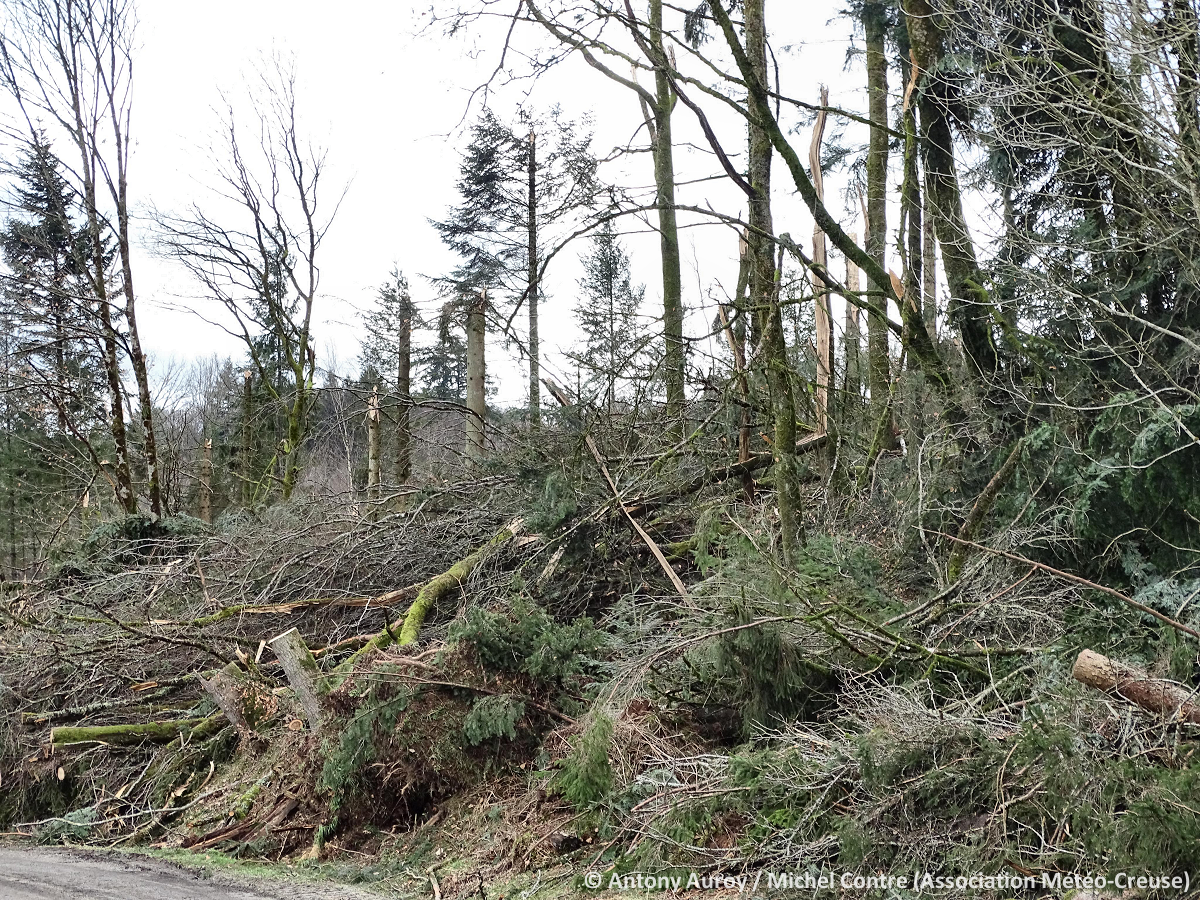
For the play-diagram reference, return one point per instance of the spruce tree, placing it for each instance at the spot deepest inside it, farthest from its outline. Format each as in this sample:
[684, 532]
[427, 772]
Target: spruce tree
[519, 185]
[607, 314]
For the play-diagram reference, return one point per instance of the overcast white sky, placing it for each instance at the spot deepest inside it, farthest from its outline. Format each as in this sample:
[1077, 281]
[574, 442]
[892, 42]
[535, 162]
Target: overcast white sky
[387, 98]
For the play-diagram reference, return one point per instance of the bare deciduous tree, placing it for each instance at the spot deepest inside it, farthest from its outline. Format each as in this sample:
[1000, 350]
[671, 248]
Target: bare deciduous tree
[254, 248]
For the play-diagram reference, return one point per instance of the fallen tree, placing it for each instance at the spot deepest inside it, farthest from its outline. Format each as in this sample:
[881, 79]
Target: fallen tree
[139, 732]
[1156, 695]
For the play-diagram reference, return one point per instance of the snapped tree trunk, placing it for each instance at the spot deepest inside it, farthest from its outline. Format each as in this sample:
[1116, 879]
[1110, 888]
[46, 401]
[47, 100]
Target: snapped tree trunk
[476, 377]
[853, 336]
[373, 462]
[247, 439]
[302, 673]
[822, 313]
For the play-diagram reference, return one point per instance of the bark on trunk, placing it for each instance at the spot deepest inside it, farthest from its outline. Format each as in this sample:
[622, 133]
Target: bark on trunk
[404, 395]
[970, 307]
[878, 366]
[535, 387]
[1164, 698]
[853, 338]
[668, 229]
[476, 378]
[764, 296]
[302, 673]
[822, 314]
[129, 735]
[373, 463]
[206, 473]
[247, 439]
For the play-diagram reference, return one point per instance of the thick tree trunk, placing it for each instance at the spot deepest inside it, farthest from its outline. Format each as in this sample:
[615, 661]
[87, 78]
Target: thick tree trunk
[535, 385]
[970, 309]
[476, 378]
[929, 267]
[137, 360]
[302, 673]
[1165, 698]
[910, 200]
[668, 231]
[878, 367]
[764, 297]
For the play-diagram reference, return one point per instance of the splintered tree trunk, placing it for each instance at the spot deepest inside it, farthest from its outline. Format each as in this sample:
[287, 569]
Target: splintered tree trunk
[373, 467]
[404, 398]
[535, 387]
[668, 230]
[476, 377]
[226, 689]
[206, 473]
[302, 673]
[875, 27]
[853, 338]
[822, 315]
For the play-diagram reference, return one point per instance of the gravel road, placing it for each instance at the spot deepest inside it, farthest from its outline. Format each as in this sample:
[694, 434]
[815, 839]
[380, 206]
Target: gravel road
[46, 874]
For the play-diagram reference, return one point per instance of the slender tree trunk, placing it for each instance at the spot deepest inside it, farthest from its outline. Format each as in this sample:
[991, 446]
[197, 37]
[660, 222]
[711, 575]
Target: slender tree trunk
[929, 266]
[404, 395]
[247, 439]
[822, 314]
[126, 498]
[373, 466]
[535, 388]
[970, 308]
[476, 377]
[910, 199]
[137, 358]
[206, 473]
[764, 297]
[668, 228]
[853, 338]
[878, 368]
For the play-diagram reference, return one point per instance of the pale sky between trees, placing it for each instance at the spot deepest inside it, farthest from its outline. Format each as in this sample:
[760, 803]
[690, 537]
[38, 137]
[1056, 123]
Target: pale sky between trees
[388, 96]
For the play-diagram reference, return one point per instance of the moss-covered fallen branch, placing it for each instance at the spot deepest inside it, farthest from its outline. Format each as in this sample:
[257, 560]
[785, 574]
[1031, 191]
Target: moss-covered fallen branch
[409, 628]
[138, 732]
